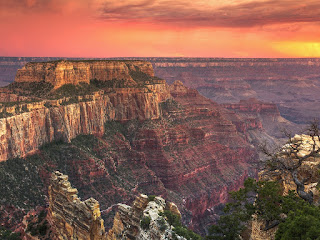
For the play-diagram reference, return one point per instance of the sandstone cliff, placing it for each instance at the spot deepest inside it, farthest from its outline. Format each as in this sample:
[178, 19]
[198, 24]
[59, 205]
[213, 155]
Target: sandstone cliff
[292, 84]
[26, 132]
[63, 72]
[69, 217]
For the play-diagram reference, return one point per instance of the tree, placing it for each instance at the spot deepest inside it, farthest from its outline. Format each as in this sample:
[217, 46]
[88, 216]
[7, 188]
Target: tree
[291, 157]
[301, 223]
[295, 213]
[260, 198]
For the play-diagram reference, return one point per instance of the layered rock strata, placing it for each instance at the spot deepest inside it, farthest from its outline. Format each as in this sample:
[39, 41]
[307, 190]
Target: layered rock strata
[263, 115]
[24, 133]
[70, 217]
[63, 72]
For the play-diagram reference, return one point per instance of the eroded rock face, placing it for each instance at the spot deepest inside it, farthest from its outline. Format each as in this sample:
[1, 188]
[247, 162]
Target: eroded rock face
[26, 132]
[258, 114]
[63, 72]
[70, 217]
[193, 155]
[308, 170]
[292, 84]
[128, 222]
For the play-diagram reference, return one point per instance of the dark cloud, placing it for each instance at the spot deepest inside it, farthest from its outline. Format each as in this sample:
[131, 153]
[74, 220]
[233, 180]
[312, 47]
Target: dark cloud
[32, 6]
[249, 14]
[24, 4]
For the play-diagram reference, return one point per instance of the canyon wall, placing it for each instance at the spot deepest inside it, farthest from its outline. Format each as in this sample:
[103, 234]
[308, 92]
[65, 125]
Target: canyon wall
[263, 114]
[63, 72]
[165, 141]
[292, 84]
[69, 217]
[26, 132]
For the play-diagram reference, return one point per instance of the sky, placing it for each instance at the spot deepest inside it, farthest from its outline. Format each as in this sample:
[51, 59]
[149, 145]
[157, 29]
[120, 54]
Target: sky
[160, 28]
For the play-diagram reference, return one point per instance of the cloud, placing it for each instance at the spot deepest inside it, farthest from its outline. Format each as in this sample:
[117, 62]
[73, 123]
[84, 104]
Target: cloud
[198, 13]
[42, 6]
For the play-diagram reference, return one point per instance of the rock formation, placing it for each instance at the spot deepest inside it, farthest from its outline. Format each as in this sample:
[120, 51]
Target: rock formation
[144, 220]
[176, 144]
[309, 170]
[292, 84]
[31, 125]
[63, 72]
[69, 217]
[263, 115]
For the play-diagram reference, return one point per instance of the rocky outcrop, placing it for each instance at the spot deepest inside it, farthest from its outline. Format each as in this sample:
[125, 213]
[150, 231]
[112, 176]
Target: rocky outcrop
[145, 220]
[309, 171]
[69, 217]
[26, 132]
[63, 72]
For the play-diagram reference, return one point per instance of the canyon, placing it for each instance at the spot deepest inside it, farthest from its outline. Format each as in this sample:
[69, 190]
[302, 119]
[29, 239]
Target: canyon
[117, 142]
[291, 84]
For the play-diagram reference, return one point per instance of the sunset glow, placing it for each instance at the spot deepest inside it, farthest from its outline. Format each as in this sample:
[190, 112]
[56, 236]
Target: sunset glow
[112, 28]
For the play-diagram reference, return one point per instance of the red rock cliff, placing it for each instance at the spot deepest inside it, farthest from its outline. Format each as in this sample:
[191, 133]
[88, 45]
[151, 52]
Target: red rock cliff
[23, 133]
[63, 72]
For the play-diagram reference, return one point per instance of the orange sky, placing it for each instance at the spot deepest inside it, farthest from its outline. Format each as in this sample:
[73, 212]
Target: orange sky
[190, 28]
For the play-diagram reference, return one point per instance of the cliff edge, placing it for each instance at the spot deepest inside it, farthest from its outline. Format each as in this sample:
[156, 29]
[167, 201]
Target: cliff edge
[63, 72]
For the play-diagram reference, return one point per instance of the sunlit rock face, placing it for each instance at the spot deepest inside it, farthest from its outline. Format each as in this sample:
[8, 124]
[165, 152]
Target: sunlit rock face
[309, 169]
[69, 217]
[63, 72]
[168, 141]
[24, 132]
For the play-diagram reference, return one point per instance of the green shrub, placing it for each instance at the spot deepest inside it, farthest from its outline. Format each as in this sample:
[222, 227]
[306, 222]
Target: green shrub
[302, 223]
[172, 219]
[162, 224]
[43, 228]
[145, 222]
[151, 198]
[188, 234]
[169, 104]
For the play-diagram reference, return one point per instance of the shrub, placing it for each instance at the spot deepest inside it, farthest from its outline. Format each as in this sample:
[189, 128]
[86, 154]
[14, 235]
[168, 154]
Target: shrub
[145, 222]
[188, 234]
[6, 234]
[303, 223]
[172, 219]
[151, 198]
[47, 105]
[162, 224]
